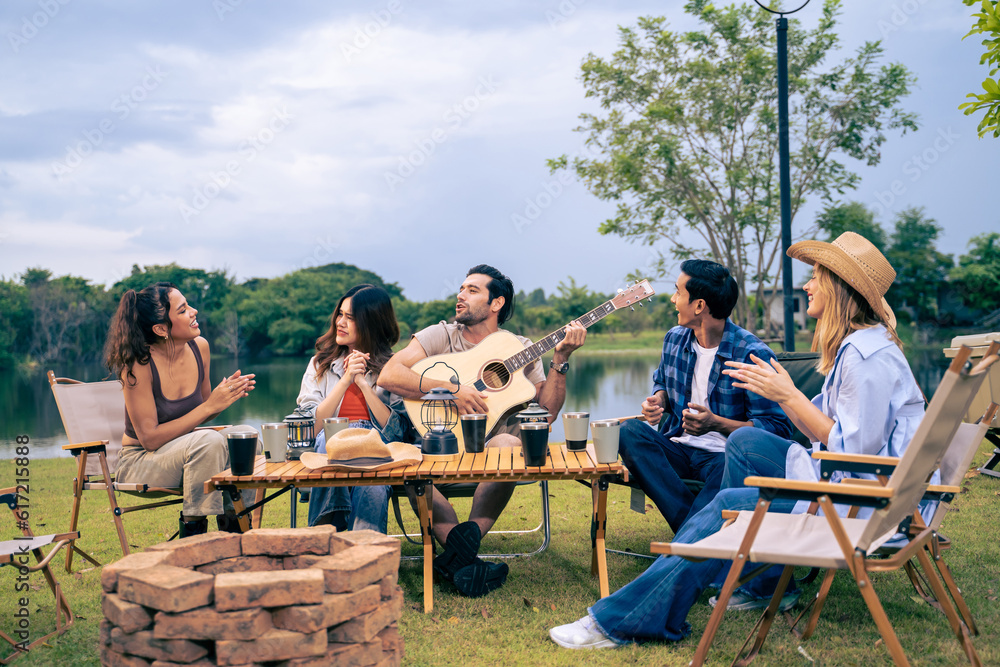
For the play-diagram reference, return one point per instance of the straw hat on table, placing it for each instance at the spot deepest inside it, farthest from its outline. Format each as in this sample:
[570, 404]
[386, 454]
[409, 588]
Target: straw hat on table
[361, 449]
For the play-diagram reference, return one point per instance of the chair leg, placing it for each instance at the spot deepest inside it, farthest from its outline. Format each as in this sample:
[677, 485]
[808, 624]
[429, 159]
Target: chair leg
[817, 607]
[964, 640]
[78, 482]
[885, 628]
[115, 510]
[956, 594]
[763, 625]
[732, 581]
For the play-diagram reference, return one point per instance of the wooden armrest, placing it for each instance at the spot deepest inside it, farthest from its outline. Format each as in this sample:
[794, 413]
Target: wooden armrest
[211, 428]
[857, 458]
[943, 488]
[730, 514]
[85, 445]
[862, 482]
[858, 490]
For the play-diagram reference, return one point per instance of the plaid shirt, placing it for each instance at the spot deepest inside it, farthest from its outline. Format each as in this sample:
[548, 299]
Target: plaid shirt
[675, 376]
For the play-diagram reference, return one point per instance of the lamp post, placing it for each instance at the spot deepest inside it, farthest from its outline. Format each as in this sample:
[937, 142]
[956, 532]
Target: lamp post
[784, 172]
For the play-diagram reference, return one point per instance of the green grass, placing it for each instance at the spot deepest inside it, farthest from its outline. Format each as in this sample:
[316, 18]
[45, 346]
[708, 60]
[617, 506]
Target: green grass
[510, 626]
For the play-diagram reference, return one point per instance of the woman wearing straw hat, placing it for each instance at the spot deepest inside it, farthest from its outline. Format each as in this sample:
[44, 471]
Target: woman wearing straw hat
[340, 381]
[870, 404]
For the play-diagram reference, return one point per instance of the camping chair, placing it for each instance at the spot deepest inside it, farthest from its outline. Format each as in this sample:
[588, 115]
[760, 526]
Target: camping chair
[801, 366]
[832, 542]
[14, 553]
[956, 462]
[93, 415]
[465, 490]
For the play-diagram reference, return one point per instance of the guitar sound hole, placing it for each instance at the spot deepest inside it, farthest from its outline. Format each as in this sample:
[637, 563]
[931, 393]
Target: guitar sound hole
[495, 375]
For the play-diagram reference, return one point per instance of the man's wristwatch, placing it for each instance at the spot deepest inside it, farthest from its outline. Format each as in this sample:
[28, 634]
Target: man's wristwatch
[562, 368]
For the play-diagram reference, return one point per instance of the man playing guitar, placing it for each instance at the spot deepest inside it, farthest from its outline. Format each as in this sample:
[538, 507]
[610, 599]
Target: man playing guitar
[485, 301]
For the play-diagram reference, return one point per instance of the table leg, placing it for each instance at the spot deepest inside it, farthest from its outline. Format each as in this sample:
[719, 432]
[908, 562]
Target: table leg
[600, 522]
[292, 523]
[425, 492]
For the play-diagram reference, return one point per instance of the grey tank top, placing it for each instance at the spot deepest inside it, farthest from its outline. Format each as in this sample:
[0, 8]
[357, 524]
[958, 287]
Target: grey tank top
[169, 409]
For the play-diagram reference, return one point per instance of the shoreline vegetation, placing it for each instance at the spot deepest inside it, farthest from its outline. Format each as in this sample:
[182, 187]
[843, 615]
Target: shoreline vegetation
[64, 320]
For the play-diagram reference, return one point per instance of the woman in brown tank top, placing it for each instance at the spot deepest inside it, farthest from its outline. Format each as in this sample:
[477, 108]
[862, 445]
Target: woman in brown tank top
[155, 349]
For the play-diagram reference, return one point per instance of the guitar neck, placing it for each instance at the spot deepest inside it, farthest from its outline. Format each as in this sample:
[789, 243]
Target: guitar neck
[533, 352]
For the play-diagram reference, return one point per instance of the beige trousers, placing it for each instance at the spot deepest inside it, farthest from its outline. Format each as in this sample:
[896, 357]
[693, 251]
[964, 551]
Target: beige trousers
[188, 462]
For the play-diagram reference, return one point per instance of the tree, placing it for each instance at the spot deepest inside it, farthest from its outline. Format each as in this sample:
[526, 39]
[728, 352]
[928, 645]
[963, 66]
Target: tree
[69, 317]
[920, 268]
[15, 322]
[852, 217]
[987, 23]
[977, 276]
[687, 143]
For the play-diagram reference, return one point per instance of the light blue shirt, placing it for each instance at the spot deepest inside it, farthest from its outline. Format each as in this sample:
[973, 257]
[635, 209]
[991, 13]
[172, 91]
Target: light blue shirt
[873, 400]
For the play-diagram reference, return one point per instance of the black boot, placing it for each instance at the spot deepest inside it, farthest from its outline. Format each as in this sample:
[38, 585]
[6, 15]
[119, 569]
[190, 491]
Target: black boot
[196, 527]
[228, 523]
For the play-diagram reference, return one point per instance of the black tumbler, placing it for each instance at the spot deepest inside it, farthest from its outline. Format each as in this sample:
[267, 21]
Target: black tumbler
[242, 452]
[535, 443]
[474, 432]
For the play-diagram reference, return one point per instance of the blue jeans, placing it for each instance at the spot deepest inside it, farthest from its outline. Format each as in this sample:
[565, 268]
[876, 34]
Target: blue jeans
[659, 463]
[754, 452]
[367, 507]
[656, 604]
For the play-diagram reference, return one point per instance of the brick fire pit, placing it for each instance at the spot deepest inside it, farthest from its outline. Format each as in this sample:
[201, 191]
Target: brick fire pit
[270, 597]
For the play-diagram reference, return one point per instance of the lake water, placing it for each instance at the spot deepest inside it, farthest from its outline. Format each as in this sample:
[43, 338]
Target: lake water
[605, 384]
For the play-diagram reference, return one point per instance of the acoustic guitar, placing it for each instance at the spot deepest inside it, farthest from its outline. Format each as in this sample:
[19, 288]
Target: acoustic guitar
[496, 366]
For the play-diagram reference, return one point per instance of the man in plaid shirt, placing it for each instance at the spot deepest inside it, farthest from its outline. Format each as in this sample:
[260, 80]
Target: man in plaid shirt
[694, 407]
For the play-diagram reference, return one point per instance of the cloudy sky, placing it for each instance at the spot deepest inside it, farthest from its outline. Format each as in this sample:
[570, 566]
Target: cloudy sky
[406, 138]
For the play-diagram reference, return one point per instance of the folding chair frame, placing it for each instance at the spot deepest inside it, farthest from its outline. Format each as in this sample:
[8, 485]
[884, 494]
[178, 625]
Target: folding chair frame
[105, 481]
[64, 615]
[463, 491]
[825, 495]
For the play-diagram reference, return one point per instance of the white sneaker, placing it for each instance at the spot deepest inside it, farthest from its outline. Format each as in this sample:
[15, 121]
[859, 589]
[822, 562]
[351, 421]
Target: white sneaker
[740, 601]
[581, 634]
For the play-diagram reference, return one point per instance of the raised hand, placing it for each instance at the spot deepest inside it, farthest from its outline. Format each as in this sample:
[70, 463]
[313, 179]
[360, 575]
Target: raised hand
[771, 381]
[652, 409]
[231, 389]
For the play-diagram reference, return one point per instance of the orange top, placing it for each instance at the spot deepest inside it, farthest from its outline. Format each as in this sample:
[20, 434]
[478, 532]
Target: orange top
[353, 405]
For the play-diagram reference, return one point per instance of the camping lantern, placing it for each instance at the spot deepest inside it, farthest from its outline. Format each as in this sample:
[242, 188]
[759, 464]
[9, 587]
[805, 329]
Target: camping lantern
[301, 436]
[439, 415]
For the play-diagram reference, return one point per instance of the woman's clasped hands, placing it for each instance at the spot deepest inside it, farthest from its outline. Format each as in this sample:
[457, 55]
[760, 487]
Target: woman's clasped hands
[231, 389]
[356, 366]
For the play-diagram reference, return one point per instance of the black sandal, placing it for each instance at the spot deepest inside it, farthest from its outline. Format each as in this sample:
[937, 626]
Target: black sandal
[460, 550]
[480, 578]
